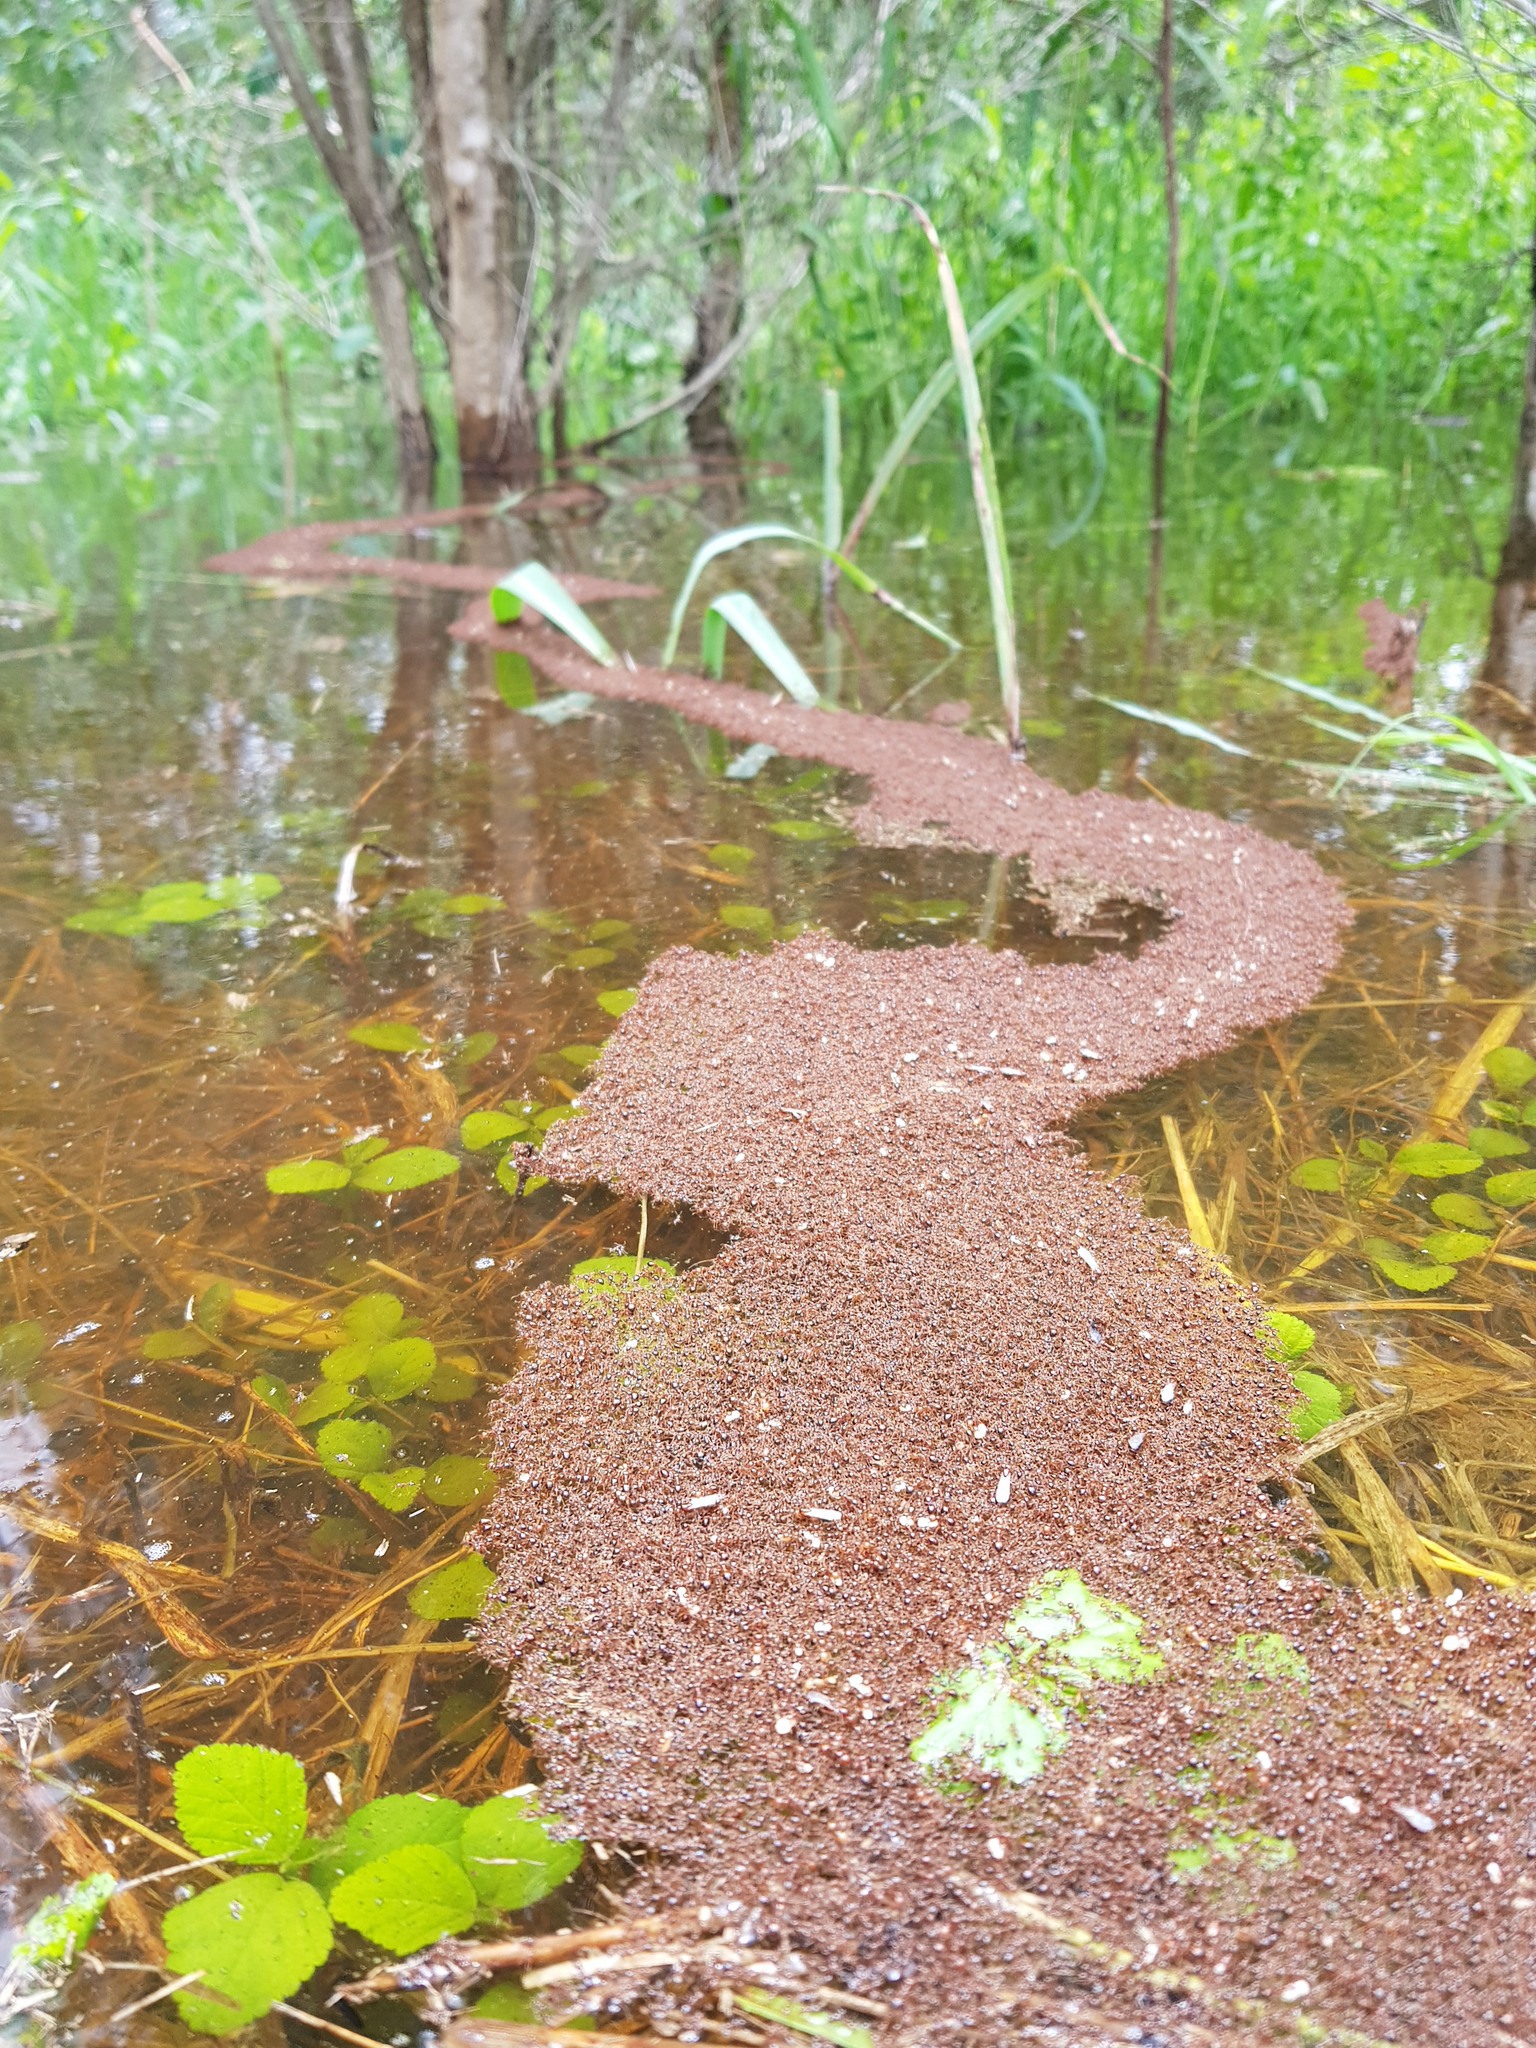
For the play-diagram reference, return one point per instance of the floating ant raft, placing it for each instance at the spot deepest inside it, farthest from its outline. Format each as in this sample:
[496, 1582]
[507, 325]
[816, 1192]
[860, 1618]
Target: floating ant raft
[919, 1585]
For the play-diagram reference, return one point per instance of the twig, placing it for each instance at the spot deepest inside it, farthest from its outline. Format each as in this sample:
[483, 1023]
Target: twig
[447, 1961]
[126, 2012]
[334, 2028]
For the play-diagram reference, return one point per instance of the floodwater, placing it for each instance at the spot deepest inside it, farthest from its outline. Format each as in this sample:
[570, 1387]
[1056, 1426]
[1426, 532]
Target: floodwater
[181, 1561]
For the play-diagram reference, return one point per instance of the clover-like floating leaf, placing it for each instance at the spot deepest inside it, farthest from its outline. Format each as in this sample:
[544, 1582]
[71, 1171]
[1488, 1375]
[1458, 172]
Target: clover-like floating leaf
[307, 1177]
[1317, 1176]
[388, 1036]
[61, 1926]
[483, 1128]
[373, 1318]
[255, 1939]
[1489, 1143]
[406, 1898]
[413, 1166]
[1436, 1159]
[455, 1593]
[238, 1800]
[349, 1448]
[454, 1482]
[21, 1346]
[1511, 1190]
[1509, 1069]
[362, 1149]
[1321, 1403]
[1286, 1336]
[512, 1859]
[617, 1001]
[1450, 1247]
[401, 1368]
[394, 1489]
[1464, 1212]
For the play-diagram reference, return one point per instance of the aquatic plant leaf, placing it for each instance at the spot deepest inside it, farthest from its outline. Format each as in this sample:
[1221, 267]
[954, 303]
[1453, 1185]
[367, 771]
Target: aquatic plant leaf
[1321, 1403]
[712, 643]
[1084, 1637]
[362, 1149]
[1450, 1247]
[114, 923]
[178, 903]
[581, 1056]
[239, 1800]
[513, 676]
[307, 1177]
[395, 1489]
[532, 584]
[271, 1392]
[746, 617]
[349, 1448]
[389, 1035]
[1286, 1336]
[1528, 1116]
[455, 1379]
[608, 928]
[1509, 1068]
[472, 905]
[748, 917]
[620, 1269]
[58, 1930]
[483, 1128]
[1464, 1212]
[592, 787]
[1500, 1112]
[557, 1113]
[789, 2012]
[402, 1368]
[406, 1898]
[804, 829]
[735, 860]
[187, 1342]
[478, 1046]
[21, 1346]
[373, 1318]
[235, 891]
[751, 762]
[413, 1166]
[330, 1397]
[455, 1593]
[1185, 726]
[1416, 1279]
[512, 1859]
[507, 1174]
[1225, 1845]
[399, 1820]
[454, 1482]
[1374, 1150]
[1511, 1190]
[1489, 1143]
[1436, 1159]
[590, 956]
[617, 1001]
[1270, 1657]
[255, 1939]
[347, 1363]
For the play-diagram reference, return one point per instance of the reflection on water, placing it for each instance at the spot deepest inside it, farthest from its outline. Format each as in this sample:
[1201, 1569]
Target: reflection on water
[179, 1558]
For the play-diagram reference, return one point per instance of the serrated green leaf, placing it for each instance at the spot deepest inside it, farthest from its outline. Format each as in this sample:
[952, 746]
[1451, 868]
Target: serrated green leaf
[472, 1050]
[1436, 1159]
[454, 1482]
[1511, 1190]
[455, 1593]
[307, 1177]
[1414, 1278]
[1321, 1403]
[1450, 1247]
[1374, 1150]
[506, 1174]
[347, 1363]
[330, 1397]
[1509, 1069]
[400, 1820]
[1489, 1143]
[362, 1149]
[512, 1859]
[349, 1448]
[402, 1368]
[406, 1898]
[455, 1379]
[388, 1036]
[581, 1056]
[271, 1392]
[1464, 1212]
[394, 1489]
[413, 1166]
[472, 905]
[239, 1800]
[373, 1318]
[255, 1939]
[483, 1128]
[1286, 1336]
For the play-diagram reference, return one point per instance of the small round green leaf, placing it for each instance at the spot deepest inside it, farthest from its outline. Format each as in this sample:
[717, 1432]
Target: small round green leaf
[1321, 1404]
[1509, 1069]
[733, 859]
[238, 1800]
[374, 1318]
[617, 1001]
[1463, 1212]
[511, 1857]
[483, 1128]
[388, 1036]
[1317, 1176]
[270, 1392]
[1435, 1159]
[1511, 1190]
[331, 1397]
[478, 1046]
[406, 1898]
[454, 1482]
[347, 1363]
[349, 1448]
[748, 917]
[472, 906]
[394, 1489]
[21, 1346]
[589, 956]
[581, 1056]
[1413, 1278]
[307, 1177]
[255, 1939]
[456, 1593]
[413, 1166]
[1450, 1247]
[402, 1368]
[187, 1342]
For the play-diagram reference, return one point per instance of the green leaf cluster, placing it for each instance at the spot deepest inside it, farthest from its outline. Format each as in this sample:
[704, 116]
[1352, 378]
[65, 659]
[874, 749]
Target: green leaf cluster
[235, 899]
[402, 1871]
[369, 1164]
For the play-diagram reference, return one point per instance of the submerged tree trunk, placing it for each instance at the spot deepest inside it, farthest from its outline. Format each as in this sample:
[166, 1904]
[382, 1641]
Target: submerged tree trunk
[1508, 679]
[487, 336]
[718, 308]
[355, 163]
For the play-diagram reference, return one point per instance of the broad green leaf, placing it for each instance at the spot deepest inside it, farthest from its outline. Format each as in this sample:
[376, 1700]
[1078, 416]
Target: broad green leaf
[413, 1166]
[187, 1342]
[509, 2001]
[406, 1898]
[373, 1318]
[511, 1858]
[388, 1036]
[455, 1593]
[532, 584]
[581, 1056]
[1464, 1212]
[1416, 1279]
[331, 1397]
[1188, 727]
[21, 1346]
[747, 618]
[61, 1926]
[453, 1482]
[1512, 1190]
[173, 903]
[617, 1001]
[347, 1363]
[1270, 1657]
[255, 1939]
[591, 956]
[1321, 1403]
[1528, 1114]
[213, 1306]
[472, 905]
[1489, 1143]
[271, 1392]
[454, 1380]
[608, 928]
[119, 923]
[1435, 1159]
[483, 1128]
[307, 1177]
[362, 1149]
[1286, 1336]
[394, 1489]
[735, 860]
[507, 1174]
[748, 917]
[1450, 1247]
[349, 1448]
[1374, 1150]
[238, 1800]
[557, 1113]
[805, 829]
[478, 1046]
[235, 891]
[402, 1368]
[1318, 1176]
[1509, 1069]
[400, 1820]
[1500, 1112]
[620, 1269]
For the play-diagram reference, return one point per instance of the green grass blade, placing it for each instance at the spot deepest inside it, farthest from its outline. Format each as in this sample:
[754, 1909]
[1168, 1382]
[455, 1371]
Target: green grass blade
[532, 584]
[1334, 697]
[746, 617]
[817, 89]
[1174, 723]
[831, 471]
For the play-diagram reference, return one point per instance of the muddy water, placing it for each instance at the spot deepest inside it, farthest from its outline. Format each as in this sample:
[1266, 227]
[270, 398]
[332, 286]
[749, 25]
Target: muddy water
[178, 1565]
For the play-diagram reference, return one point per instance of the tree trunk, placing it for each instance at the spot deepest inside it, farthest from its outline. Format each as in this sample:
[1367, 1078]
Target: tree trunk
[487, 338]
[355, 165]
[718, 308]
[1508, 679]
[417, 36]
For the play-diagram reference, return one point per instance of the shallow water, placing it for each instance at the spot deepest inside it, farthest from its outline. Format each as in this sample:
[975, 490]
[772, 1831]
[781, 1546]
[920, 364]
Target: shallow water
[193, 728]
